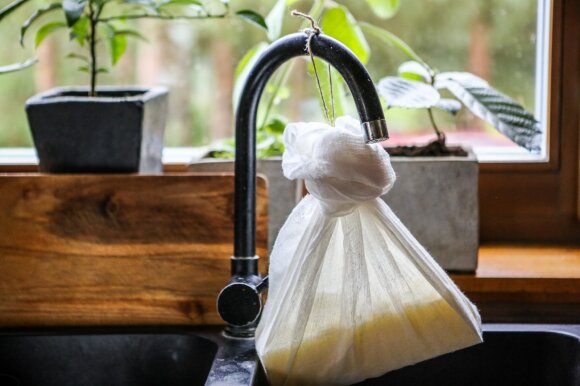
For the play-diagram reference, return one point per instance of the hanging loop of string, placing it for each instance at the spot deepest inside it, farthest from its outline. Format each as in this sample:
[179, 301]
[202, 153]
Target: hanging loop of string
[315, 30]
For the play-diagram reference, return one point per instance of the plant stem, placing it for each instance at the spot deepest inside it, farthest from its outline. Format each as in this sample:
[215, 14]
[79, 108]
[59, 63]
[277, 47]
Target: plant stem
[161, 17]
[92, 49]
[440, 135]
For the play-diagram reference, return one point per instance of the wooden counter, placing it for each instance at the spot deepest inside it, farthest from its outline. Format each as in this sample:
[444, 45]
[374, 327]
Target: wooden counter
[117, 249]
[146, 250]
[525, 284]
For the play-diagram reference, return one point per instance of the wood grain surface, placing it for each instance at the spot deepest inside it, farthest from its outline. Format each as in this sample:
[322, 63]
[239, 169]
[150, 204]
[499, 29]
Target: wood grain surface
[154, 250]
[117, 249]
[525, 283]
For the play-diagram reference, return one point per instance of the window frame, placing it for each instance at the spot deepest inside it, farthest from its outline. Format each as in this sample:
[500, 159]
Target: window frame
[538, 202]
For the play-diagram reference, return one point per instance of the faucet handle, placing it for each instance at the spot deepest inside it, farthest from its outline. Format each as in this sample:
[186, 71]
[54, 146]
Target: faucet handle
[240, 304]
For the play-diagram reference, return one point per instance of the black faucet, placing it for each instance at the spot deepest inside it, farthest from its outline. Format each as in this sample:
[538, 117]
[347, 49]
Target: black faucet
[240, 303]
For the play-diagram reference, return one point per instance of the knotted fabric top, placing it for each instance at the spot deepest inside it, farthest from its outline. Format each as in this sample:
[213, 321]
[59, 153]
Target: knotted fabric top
[339, 168]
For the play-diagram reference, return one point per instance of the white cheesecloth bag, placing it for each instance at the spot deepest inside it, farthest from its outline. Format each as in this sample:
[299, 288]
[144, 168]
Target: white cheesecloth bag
[352, 294]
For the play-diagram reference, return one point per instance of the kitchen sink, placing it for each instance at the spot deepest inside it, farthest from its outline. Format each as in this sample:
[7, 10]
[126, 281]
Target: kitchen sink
[510, 355]
[121, 357]
[173, 356]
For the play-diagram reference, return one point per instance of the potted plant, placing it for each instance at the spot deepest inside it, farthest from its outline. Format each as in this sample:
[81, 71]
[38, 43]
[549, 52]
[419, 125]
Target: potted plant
[439, 181]
[103, 129]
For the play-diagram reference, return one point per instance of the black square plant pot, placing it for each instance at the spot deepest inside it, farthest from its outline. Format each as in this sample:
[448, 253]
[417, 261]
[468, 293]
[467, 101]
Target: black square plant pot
[118, 131]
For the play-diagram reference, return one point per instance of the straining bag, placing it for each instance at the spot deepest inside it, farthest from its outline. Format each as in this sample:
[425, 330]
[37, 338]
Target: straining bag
[352, 294]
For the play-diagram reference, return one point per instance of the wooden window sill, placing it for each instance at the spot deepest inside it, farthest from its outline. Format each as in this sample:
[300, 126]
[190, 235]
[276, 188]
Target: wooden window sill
[525, 284]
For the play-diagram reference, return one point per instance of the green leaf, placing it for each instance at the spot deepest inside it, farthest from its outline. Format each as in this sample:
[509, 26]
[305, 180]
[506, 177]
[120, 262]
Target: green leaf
[117, 40]
[243, 69]
[450, 105]
[394, 41]
[73, 55]
[8, 9]
[500, 111]
[118, 46]
[80, 30]
[414, 71]
[269, 141]
[399, 92]
[223, 149]
[341, 25]
[166, 3]
[384, 9]
[17, 66]
[46, 30]
[269, 138]
[253, 18]
[275, 125]
[73, 10]
[131, 33]
[250, 57]
[100, 70]
[35, 16]
[275, 20]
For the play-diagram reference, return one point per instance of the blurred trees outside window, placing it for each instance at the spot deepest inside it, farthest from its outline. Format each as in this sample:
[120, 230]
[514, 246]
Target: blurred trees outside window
[494, 39]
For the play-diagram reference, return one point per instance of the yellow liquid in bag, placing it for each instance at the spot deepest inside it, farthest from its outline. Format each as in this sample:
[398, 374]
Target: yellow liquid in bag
[386, 342]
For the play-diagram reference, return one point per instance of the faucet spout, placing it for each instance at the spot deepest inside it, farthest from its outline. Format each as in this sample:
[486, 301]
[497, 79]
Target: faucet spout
[366, 100]
[240, 303]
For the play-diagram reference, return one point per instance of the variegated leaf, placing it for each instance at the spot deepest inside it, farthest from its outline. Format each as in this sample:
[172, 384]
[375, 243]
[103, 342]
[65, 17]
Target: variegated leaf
[399, 92]
[450, 105]
[499, 110]
[413, 70]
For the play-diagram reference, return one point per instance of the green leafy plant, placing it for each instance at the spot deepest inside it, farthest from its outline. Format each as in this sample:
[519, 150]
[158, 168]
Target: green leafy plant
[416, 86]
[268, 141]
[92, 22]
[336, 21]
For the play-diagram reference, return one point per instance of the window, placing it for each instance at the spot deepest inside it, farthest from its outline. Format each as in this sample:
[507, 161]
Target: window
[527, 50]
[503, 41]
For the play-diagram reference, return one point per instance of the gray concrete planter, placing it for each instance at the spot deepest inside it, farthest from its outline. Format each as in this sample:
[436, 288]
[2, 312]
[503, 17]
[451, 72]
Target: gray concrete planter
[437, 199]
[283, 194]
[119, 131]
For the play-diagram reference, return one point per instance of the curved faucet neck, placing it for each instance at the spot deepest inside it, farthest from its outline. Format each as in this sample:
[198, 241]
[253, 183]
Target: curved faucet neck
[366, 100]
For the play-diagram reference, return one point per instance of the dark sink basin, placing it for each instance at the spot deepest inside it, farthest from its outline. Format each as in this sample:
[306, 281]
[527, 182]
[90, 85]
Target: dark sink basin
[510, 355]
[106, 358]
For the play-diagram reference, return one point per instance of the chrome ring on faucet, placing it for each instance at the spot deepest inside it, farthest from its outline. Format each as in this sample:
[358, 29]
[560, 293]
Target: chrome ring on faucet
[375, 131]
